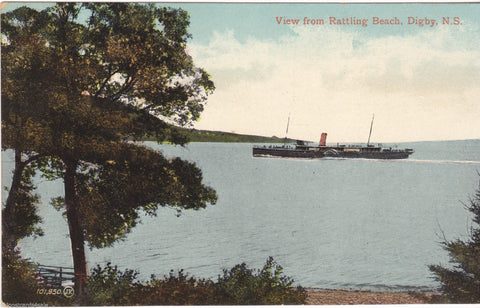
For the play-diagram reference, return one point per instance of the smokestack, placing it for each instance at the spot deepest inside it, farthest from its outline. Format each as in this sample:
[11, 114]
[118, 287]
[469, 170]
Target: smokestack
[323, 139]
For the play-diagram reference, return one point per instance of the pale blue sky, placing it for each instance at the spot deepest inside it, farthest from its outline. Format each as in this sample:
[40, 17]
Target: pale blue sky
[422, 83]
[258, 20]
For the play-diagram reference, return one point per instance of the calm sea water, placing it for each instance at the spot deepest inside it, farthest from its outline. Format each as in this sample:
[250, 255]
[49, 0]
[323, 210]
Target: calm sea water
[331, 223]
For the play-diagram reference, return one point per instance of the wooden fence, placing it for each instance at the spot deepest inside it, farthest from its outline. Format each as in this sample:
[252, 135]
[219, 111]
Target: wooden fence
[55, 276]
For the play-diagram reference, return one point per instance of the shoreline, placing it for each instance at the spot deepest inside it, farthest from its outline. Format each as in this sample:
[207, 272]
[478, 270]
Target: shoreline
[367, 297]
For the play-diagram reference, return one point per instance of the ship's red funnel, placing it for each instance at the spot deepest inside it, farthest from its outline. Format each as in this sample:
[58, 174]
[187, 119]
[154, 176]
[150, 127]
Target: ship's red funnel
[323, 139]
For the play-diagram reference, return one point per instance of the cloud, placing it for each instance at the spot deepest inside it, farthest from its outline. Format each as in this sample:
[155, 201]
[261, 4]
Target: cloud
[420, 86]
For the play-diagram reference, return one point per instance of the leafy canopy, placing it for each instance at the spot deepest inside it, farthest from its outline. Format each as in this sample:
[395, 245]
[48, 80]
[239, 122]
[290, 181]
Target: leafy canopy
[75, 93]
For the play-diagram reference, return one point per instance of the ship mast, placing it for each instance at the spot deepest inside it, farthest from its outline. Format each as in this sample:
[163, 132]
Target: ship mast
[286, 132]
[370, 134]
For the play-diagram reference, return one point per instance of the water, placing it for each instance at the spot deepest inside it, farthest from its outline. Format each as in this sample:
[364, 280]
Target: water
[331, 223]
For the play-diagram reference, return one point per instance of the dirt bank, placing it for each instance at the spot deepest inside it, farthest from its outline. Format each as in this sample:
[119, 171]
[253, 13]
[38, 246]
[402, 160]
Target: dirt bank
[354, 297]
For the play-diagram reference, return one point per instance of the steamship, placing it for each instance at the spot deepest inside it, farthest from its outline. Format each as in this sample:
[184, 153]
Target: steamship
[303, 149]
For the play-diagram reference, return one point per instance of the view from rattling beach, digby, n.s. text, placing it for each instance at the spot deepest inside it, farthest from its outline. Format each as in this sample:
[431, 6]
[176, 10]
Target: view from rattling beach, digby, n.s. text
[194, 153]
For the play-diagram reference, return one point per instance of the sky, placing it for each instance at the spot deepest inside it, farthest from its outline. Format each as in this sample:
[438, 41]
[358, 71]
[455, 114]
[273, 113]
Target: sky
[420, 79]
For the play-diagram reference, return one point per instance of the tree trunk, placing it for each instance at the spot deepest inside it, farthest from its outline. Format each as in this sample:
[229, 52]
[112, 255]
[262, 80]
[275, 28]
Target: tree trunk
[76, 231]
[9, 241]
[9, 238]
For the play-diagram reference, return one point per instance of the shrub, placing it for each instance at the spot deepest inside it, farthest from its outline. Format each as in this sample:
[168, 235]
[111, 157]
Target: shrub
[175, 289]
[20, 285]
[243, 286]
[107, 286]
[461, 284]
[238, 286]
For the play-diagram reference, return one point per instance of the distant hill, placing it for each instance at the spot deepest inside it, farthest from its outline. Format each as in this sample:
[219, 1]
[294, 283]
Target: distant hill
[196, 135]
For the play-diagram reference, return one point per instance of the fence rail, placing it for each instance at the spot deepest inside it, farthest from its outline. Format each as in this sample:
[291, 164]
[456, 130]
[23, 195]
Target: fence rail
[55, 276]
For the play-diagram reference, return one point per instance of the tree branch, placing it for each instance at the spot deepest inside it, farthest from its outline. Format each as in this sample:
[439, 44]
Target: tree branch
[126, 87]
[104, 84]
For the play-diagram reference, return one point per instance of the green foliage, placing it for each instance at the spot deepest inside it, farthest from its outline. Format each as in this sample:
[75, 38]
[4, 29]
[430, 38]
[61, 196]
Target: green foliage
[138, 179]
[20, 286]
[108, 285]
[75, 92]
[244, 286]
[26, 219]
[146, 46]
[194, 135]
[238, 286]
[19, 213]
[461, 283]
[174, 289]
[18, 280]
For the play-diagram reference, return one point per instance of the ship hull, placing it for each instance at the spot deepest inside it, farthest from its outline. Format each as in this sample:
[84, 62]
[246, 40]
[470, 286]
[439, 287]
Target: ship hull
[304, 150]
[372, 155]
[321, 152]
[285, 152]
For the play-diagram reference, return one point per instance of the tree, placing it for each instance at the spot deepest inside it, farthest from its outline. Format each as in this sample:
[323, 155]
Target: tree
[121, 75]
[23, 59]
[461, 284]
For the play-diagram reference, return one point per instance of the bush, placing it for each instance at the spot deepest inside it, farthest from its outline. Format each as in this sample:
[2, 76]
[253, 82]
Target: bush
[238, 286]
[244, 286]
[20, 285]
[107, 286]
[461, 284]
[175, 289]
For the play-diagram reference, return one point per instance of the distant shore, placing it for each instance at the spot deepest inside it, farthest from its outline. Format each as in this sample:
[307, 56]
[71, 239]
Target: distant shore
[196, 135]
[361, 297]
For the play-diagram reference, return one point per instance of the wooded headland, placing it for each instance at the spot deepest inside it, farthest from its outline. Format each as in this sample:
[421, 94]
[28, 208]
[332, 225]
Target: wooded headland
[195, 135]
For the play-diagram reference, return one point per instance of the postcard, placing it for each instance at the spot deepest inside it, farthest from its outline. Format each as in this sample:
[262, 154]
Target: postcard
[240, 153]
